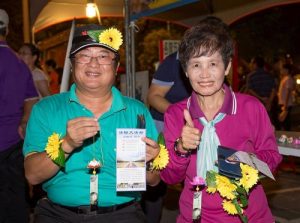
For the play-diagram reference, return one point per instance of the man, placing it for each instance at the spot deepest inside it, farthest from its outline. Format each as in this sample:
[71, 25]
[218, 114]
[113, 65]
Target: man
[169, 85]
[260, 83]
[86, 119]
[17, 95]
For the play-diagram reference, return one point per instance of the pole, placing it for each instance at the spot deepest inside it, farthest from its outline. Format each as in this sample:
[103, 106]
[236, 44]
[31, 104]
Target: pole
[67, 66]
[26, 21]
[127, 49]
[132, 29]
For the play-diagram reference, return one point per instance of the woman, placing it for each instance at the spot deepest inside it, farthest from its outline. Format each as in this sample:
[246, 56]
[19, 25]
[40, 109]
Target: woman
[30, 55]
[233, 120]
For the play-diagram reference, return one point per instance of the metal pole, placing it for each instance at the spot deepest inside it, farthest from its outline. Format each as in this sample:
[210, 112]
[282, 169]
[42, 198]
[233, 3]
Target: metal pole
[26, 21]
[67, 66]
[127, 48]
[132, 29]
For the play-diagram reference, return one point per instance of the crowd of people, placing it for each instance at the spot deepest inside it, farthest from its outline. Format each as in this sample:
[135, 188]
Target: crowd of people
[274, 86]
[49, 138]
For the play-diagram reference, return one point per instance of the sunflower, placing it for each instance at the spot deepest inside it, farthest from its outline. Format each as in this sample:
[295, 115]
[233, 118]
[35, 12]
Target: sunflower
[111, 37]
[211, 190]
[229, 207]
[53, 146]
[225, 187]
[249, 176]
[162, 160]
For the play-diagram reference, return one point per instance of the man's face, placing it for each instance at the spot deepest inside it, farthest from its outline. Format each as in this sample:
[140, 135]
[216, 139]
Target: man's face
[94, 68]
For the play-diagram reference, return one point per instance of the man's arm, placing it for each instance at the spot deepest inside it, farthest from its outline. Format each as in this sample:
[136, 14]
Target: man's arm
[156, 97]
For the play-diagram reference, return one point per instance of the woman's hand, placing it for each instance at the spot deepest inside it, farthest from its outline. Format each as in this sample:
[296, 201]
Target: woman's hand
[190, 136]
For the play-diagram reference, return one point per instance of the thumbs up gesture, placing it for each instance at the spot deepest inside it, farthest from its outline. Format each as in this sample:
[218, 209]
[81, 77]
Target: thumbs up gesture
[190, 136]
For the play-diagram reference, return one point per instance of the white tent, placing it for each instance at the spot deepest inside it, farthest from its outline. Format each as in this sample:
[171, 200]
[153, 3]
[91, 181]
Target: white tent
[45, 13]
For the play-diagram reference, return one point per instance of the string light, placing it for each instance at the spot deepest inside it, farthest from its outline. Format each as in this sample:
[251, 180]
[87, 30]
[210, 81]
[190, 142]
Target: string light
[91, 10]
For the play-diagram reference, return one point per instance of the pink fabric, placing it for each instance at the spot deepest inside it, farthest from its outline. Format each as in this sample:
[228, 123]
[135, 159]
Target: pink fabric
[246, 127]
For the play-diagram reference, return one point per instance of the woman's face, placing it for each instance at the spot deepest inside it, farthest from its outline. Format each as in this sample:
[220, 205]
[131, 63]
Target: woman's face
[94, 68]
[26, 55]
[206, 73]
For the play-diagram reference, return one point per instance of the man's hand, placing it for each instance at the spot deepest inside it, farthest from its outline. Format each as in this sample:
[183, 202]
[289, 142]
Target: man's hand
[152, 149]
[78, 130]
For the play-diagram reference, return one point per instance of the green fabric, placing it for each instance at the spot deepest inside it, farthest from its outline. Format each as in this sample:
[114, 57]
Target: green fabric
[207, 152]
[71, 187]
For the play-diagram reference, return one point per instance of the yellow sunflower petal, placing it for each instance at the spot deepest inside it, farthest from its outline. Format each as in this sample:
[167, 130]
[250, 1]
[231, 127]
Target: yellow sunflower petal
[229, 207]
[111, 37]
[53, 145]
[211, 190]
[162, 160]
[225, 187]
[249, 176]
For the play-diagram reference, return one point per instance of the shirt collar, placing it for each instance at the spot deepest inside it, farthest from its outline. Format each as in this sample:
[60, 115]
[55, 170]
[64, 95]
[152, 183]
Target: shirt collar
[229, 105]
[117, 104]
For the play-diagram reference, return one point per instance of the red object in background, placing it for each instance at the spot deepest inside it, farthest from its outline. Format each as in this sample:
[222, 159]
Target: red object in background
[121, 70]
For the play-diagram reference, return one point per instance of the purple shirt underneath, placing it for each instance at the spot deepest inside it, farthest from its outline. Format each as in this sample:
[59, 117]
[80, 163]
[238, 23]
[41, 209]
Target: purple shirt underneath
[246, 127]
[16, 85]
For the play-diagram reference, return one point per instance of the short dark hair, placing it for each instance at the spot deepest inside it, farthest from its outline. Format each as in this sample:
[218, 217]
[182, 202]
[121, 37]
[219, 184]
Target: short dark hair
[51, 63]
[210, 35]
[259, 61]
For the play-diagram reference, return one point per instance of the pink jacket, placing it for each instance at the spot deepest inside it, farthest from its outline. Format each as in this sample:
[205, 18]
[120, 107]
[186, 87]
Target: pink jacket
[245, 127]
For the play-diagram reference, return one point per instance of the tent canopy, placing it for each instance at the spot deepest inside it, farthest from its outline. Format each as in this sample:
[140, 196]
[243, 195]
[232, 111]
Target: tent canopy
[45, 13]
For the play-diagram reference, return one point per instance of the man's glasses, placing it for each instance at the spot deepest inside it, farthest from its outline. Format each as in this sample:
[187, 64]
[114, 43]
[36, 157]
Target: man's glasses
[101, 59]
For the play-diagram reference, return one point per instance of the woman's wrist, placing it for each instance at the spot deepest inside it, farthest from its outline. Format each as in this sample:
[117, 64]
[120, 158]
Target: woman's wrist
[180, 150]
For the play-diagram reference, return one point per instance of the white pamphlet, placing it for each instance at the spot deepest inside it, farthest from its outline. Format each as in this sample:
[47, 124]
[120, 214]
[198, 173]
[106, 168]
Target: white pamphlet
[131, 160]
[256, 163]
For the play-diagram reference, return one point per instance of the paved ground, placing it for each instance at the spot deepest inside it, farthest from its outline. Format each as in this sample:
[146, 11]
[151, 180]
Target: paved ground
[283, 196]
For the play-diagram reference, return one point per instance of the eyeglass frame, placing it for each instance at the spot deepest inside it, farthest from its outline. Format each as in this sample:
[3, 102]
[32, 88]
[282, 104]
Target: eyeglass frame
[116, 59]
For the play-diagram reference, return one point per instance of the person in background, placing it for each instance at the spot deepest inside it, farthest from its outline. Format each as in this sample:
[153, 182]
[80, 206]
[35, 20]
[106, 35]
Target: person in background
[214, 115]
[285, 96]
[260, 83]
[17, 96]
[50, 67]
[30, 55]
[85, 119]
[169, 85]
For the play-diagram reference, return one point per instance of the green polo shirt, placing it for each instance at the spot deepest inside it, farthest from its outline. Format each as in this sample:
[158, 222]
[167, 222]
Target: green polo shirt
[71, 187]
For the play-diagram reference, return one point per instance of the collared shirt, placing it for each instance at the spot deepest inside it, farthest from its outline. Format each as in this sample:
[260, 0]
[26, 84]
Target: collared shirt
[71, 187]
[246, 127]
[16, 86]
